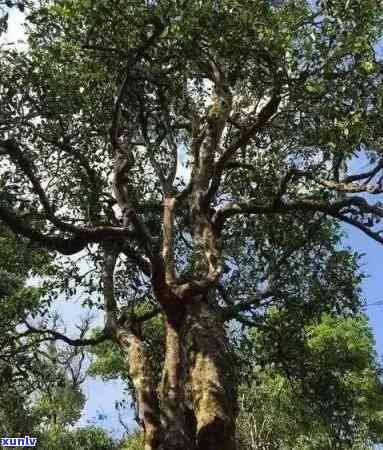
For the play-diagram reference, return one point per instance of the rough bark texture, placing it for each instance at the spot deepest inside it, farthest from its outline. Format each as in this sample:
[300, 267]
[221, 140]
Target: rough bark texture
[213, 385]
[134, 348]
[178, 436]
[129, 337]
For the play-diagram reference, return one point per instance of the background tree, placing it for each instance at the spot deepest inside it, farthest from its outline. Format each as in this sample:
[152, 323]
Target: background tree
[18, 260]
[328, 397]
[263, 104]
[40, 379]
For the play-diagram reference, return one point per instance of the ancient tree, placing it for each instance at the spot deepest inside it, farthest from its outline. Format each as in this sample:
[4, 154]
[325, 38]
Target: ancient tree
[159, 138]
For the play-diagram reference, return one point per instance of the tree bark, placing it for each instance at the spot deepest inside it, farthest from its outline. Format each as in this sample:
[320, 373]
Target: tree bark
[178, 430]
[212, 379]
[133, 347]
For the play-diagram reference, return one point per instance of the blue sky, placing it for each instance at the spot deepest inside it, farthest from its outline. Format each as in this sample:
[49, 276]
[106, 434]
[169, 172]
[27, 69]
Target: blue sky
[373, 285]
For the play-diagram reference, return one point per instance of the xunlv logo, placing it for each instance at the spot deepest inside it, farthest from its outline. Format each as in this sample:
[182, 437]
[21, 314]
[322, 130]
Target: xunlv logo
[18, 442]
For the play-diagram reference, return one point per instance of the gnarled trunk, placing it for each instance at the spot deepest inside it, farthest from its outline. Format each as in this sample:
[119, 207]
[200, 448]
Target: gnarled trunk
[213, 384]
[210, 424]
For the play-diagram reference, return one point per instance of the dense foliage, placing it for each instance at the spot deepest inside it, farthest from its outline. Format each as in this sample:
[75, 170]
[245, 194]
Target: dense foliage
[324, 390]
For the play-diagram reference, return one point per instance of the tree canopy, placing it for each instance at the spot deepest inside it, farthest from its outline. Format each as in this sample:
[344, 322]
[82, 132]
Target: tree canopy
[194, 161]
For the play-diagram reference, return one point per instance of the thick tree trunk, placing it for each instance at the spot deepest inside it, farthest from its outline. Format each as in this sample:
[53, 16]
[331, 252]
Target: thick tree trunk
[213, 384]
[133, 347]
[178, 432]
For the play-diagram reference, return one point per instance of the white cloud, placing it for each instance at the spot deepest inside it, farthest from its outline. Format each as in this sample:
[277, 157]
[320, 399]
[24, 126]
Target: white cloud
[16, 33]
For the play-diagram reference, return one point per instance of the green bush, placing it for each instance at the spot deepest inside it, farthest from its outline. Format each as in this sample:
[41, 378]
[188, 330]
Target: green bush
[133, 442]
[89, 438]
